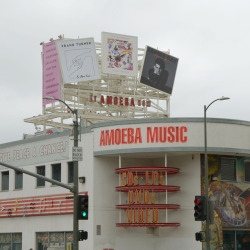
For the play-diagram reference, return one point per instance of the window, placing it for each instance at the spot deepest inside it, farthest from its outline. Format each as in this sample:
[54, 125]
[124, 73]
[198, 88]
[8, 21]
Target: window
[236, 240]
[247, 170]
[228, 240]
[17, 241]
[11, 241]
[243, 240]
[228, 169]
[42, 241]
[18, 180]
[54, 240]
[70, 172]
[56, 172]
[5, 180]
[41, 171]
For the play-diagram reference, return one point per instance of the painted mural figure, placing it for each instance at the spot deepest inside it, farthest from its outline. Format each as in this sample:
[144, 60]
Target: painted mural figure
[229, 204]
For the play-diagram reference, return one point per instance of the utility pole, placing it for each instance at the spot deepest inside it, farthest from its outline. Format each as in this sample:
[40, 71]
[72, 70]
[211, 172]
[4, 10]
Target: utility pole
[75, 179]
[75, 172]
[206, 169]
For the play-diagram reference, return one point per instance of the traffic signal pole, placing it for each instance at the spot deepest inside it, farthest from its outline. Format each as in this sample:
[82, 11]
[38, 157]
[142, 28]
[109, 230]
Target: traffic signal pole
[75, 191]
[206, 178]
[206, 169]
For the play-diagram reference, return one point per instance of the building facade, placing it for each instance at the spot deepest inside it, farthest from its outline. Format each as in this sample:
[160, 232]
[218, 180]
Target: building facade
[141, 177]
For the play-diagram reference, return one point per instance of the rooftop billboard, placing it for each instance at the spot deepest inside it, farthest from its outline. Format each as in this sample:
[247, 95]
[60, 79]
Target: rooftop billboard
[51, 72]
[158, 70]
[78, 60]
[119, 54]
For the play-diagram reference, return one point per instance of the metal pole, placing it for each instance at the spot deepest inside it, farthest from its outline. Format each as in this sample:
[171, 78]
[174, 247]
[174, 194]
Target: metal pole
[206, 180]
[75, 174]
[206, 169]
[75, 178]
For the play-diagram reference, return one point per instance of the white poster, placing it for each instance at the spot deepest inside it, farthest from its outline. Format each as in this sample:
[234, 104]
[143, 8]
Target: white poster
[78, 60]
[119, 54]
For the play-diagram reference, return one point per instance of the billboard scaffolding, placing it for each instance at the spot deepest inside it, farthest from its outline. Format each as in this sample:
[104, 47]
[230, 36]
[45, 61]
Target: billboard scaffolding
[106, 97]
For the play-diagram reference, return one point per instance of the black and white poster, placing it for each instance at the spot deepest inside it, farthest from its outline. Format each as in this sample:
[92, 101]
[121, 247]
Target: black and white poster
[159, 70]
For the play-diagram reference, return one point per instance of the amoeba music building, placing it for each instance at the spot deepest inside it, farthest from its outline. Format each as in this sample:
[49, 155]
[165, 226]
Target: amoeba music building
[141, 177]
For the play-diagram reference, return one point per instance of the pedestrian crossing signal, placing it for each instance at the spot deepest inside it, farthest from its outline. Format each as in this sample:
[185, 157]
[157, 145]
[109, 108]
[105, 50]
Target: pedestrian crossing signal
[82, 235]
[200, 236]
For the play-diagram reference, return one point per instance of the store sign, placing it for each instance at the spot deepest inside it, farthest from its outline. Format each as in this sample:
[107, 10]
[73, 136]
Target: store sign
[30, 153]
[143, 185]
[119, 101]
[134, 135]
[148, 215]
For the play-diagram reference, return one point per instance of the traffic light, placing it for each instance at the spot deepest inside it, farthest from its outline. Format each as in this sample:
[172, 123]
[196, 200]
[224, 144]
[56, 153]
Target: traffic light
[200, 236]
[83, 207]
[200, 208]
[82, 235]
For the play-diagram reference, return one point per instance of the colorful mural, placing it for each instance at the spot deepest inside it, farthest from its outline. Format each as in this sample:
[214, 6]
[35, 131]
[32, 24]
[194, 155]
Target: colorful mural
[229, 203]
[231, 199]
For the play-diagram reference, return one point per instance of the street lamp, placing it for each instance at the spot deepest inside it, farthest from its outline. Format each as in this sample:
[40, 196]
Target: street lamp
[206, 169]
[75, 173]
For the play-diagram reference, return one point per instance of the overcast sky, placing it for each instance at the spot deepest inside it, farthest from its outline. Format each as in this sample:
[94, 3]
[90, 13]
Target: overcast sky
[210, 38]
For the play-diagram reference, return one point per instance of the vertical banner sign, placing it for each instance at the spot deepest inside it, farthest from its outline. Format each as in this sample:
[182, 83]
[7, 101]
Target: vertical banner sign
[159, 70]
[119, 54]
[51, 72]
[78, 60]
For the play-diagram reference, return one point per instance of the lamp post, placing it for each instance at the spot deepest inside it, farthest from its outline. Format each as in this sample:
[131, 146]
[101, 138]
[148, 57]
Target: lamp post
[75, 173]
[206, 169]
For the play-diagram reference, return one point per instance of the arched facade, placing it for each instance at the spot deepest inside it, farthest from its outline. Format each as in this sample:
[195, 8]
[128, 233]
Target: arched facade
[141, 177]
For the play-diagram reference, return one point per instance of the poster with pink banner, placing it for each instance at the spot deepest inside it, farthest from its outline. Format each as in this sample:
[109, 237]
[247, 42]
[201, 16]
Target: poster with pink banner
[51, 72]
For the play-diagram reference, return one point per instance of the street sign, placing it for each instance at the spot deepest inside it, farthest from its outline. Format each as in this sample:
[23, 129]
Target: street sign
[77, 154]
